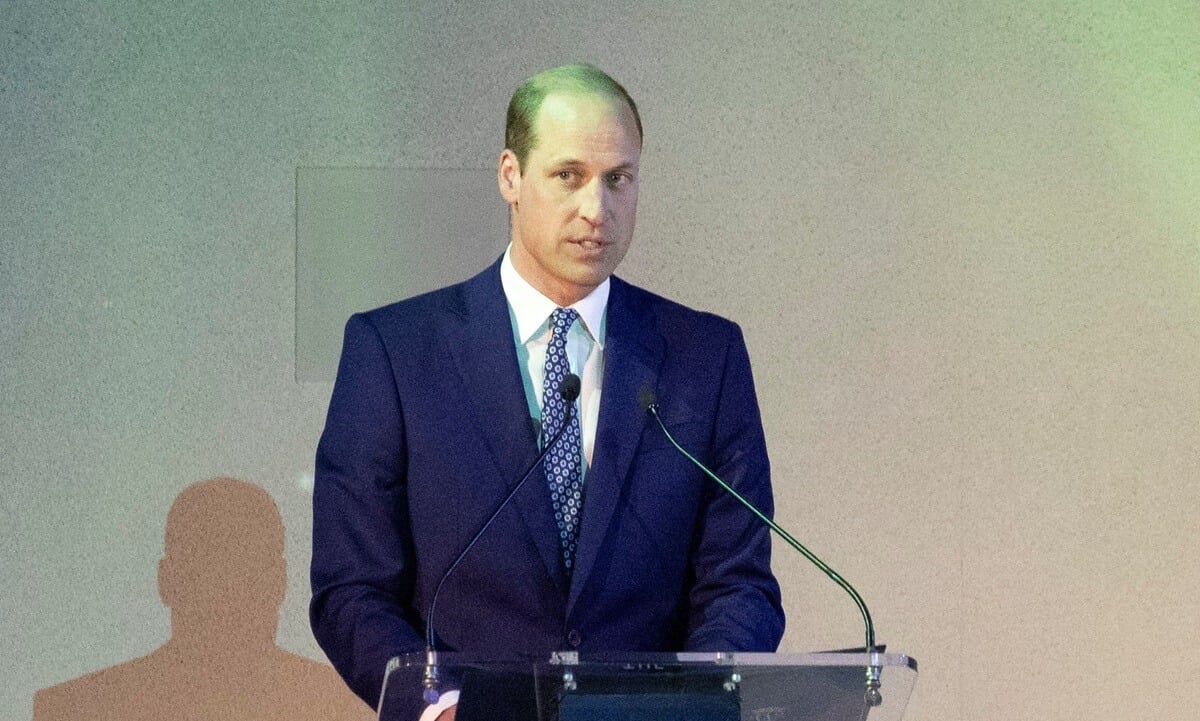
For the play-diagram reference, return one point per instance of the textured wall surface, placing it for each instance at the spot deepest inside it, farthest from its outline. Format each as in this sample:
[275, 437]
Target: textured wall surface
[963, 240]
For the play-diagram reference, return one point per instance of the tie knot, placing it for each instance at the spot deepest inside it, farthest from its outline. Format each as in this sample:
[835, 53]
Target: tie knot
[562, 319]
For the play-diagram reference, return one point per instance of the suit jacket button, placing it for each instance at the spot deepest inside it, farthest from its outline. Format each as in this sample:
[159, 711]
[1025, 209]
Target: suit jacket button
[574, 639]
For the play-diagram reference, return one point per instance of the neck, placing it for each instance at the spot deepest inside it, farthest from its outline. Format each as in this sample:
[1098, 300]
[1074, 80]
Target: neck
[227, 633]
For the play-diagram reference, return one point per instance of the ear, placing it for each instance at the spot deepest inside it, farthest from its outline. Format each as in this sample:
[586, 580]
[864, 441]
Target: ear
[509, 177]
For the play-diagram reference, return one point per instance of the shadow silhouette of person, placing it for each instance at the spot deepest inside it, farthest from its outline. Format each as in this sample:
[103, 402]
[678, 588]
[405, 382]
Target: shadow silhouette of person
[223, 576]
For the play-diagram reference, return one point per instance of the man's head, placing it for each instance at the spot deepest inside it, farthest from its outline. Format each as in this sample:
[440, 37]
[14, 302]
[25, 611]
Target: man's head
[223, 572]
[569, 174]
[520, 133]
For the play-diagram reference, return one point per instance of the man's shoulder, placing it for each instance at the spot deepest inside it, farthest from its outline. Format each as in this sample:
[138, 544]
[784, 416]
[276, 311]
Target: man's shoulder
[432, 309]
[110, 692]
[668, 315]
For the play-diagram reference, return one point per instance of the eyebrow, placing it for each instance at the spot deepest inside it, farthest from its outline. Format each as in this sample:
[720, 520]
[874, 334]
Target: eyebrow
[575, 163]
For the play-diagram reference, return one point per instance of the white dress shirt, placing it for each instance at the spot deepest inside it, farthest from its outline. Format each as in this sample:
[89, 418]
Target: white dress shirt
[530, 313]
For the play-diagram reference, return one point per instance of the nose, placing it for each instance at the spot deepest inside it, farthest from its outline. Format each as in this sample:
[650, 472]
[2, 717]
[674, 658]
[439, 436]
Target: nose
[593, 202]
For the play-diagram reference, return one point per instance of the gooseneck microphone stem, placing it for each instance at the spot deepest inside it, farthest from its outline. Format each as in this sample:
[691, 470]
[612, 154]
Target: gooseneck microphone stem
[569, 390]
[873, 698]
[791, 541]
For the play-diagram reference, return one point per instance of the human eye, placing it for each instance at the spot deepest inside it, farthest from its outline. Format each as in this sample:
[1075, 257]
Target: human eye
[618, 179]
[567, 176]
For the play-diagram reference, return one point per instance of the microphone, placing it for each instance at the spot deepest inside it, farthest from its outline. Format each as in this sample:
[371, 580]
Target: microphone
[568, 390]
[873, 697]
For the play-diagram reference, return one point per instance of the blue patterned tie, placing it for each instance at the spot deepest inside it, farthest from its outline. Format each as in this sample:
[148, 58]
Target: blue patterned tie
[563, 461]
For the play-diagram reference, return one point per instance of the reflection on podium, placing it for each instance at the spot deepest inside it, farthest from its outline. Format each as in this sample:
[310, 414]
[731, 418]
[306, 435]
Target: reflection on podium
[223, 576]
[851, 685]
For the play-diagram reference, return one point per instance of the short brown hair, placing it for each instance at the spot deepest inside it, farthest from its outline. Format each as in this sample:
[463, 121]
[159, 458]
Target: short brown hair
[519, 134]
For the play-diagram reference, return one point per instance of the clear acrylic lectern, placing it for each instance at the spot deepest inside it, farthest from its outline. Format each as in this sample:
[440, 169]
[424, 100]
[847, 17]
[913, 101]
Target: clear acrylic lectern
[656, 687]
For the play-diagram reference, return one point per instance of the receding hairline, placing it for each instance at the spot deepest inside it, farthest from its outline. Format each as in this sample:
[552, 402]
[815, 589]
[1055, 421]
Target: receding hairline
[615, 104]
[578, 80]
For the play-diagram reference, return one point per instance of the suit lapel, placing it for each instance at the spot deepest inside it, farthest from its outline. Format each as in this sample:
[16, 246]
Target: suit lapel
[633, 354]
[485, 355]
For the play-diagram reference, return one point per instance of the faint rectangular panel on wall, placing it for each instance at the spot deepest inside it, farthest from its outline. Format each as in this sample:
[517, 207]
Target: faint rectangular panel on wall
[366, 237]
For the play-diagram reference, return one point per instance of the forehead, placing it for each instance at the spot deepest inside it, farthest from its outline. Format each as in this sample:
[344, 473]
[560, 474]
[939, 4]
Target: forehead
[585, 126]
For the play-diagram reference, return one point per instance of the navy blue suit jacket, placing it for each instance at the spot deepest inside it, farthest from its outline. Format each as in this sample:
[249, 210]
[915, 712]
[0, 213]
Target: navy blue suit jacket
[429, 427]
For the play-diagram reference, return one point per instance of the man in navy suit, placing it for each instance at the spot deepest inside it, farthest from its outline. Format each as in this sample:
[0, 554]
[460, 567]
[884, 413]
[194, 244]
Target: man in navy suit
[437, 410]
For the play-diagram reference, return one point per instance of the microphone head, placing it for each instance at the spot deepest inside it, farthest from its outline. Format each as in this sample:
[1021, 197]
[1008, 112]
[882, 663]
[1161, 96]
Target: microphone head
[569, 388]
[646, 398]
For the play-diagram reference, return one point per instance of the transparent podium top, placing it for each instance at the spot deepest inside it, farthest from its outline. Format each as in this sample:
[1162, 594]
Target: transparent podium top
[833, 686]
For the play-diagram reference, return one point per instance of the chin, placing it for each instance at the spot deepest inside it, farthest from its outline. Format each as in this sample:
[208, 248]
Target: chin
[591, 277]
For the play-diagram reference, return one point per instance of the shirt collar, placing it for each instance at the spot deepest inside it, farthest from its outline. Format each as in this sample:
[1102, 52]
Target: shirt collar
[532, 309]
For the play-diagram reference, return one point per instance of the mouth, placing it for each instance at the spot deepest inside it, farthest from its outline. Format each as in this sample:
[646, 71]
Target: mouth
[590, 243]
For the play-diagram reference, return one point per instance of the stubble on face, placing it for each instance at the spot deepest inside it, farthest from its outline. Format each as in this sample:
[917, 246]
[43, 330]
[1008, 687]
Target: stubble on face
[574, 206]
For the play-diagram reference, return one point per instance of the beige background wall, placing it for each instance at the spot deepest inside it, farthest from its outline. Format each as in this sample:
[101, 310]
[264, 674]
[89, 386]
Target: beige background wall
[963, 240]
